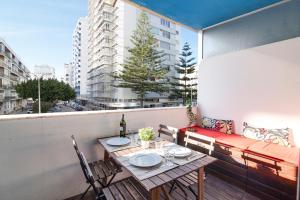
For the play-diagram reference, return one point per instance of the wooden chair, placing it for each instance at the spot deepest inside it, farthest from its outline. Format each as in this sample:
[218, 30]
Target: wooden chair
[97, 171]
[197, 142]
[168, 131]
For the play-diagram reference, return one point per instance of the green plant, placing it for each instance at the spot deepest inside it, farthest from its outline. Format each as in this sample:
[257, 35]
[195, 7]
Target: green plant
[142, 71]
[192, 117]
[146, 134]
[183, 83]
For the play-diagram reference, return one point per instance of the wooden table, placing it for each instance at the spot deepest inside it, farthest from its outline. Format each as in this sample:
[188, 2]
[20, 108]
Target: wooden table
[154, 185]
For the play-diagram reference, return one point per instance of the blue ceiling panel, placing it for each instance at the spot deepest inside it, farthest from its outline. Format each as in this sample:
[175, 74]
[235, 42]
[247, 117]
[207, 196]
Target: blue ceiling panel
[200, 14]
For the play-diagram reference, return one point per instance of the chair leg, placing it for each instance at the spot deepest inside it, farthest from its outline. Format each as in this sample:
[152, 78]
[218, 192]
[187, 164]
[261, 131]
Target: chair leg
[85, 192]
[179, 186]
[110, 180]
[194, 193]
[172, 187]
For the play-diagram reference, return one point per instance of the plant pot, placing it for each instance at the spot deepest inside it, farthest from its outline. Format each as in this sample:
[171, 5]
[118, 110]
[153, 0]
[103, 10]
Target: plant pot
[145, 144]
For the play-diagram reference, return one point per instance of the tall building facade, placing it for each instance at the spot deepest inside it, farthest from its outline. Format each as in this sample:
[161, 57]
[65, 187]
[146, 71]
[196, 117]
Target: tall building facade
[12, 72]
[111, 24]
[44, 71]
[69, 71]
[80, 56]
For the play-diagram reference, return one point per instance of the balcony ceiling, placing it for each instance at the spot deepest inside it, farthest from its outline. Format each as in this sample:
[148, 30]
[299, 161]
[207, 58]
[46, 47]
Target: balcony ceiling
[200, 14]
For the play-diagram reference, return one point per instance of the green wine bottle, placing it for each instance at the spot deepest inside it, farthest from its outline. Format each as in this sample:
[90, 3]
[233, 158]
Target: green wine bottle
[122, 127]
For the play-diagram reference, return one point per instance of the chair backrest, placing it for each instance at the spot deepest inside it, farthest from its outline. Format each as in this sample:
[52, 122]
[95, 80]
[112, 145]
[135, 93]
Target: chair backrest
[86, 169]
[199, 140]
[169, 131]
[83, 163]
[75, 146]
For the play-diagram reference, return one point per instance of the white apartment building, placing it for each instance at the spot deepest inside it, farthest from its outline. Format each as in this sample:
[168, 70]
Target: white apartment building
[69, 71]
[80, 56]
[44, 71]
[12, 72]
[111, 24]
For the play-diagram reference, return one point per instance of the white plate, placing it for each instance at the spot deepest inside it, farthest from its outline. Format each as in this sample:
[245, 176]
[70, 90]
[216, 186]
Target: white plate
[145, 159]
[180, 152]
[118, 141]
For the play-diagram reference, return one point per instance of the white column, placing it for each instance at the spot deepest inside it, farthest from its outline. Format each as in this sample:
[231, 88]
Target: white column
[200, 47]
[200, 57]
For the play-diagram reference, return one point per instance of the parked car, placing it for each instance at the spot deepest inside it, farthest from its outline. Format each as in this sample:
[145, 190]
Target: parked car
[29, 111]
[78, 108]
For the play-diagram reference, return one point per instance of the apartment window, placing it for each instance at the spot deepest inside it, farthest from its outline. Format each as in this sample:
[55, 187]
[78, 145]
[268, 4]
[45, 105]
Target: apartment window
[165, 45]
[107, 39]
[106, 27]
[155, 30]
[165, 34]
[164, 22]
[173, 47]
[107, 15]
[169, 57]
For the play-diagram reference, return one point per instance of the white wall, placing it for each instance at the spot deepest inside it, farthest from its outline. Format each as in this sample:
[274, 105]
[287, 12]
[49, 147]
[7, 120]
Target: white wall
[37, 159]
[260, 86]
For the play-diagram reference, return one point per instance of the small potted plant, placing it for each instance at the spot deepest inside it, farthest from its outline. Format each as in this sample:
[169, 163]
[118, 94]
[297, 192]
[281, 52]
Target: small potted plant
[146, 135]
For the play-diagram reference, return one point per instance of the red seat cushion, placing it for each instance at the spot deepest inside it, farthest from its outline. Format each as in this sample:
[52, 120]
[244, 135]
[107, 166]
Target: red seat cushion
[235, 141]
[287, 154]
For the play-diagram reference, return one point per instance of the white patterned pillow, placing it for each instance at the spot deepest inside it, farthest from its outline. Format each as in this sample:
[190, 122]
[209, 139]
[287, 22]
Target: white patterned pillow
[276, 136]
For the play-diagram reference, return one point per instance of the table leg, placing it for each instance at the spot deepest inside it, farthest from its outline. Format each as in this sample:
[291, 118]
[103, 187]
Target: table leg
[166, 193]
[201, 184]
[155, 194]
[106, 155]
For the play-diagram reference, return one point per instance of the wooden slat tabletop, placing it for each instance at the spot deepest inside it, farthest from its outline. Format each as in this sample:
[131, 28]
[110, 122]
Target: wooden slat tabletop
[168, 176]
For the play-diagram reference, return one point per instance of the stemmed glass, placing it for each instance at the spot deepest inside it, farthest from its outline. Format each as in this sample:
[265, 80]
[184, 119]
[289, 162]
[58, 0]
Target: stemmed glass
[169, 157]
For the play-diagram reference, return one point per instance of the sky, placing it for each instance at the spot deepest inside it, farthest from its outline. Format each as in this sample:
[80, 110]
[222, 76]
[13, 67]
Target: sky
[40, 31]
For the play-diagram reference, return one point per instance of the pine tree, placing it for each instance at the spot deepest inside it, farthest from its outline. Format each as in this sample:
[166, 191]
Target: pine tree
[142, 71]
[183, 85]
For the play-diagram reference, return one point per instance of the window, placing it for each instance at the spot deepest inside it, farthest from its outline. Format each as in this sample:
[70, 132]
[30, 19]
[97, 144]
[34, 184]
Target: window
[165, 45]
[154, 30]
[164, 22]
[169, 57]
[165, 34]
[106, 27]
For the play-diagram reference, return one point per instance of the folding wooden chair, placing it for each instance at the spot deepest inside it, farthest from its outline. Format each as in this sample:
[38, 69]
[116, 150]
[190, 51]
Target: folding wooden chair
[198, 141]
[97, 171]
[170, 132]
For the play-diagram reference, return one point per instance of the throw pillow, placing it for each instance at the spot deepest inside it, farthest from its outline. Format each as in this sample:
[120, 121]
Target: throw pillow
[224, 126]
[276, 136]
[253, 133]
[208, 123]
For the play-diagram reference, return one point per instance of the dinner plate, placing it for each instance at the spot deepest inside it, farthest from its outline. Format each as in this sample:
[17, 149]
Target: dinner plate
[145, 159]
[118, 141]
[180, 152]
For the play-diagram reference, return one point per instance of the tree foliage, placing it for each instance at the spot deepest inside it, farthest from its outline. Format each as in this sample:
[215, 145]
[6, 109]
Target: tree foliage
[183, 84]
[45, 106]
[142, 71]
[51, 90]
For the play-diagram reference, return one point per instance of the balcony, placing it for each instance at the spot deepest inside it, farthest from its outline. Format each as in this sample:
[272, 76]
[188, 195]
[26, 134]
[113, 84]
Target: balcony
[240, 78]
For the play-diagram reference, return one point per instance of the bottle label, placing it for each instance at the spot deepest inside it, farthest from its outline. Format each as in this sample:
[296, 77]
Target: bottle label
[121, 128]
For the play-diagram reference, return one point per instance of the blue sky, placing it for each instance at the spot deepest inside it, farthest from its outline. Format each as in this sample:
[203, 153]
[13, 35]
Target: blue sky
[40, 31]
